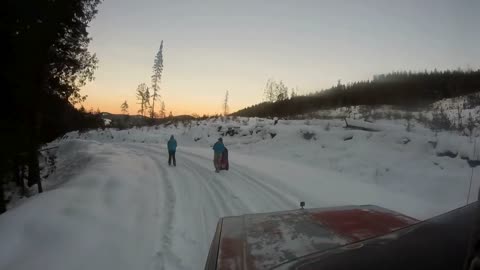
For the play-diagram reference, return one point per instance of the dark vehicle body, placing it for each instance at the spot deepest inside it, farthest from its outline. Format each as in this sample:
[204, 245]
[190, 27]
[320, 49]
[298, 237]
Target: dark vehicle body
[351, 237]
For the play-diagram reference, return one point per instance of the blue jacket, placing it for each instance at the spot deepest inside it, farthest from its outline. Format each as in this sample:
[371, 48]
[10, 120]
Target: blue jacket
[218, 147]
[172, 145]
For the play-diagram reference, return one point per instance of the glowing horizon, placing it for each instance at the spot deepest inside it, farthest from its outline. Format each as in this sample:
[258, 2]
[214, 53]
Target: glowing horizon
[215, 46]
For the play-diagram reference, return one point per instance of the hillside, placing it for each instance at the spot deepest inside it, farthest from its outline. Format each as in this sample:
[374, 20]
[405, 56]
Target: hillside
[403, 89]
[128, 121]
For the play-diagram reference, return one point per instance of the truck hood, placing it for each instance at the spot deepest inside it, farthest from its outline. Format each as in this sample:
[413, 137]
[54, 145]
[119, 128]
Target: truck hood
[262, 241]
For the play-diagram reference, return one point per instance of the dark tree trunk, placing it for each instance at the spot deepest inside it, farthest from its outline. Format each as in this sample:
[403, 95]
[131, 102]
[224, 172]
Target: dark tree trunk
[34, 170]
[18, 175]
[3, 205]
[33, 166]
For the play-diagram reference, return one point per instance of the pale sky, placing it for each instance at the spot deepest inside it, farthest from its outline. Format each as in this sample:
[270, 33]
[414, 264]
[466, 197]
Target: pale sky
[214, 46]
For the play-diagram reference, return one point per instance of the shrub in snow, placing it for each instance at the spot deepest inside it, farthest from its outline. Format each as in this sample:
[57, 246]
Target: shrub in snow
[472, 101]
[409, 125]
[472, 123]
[365, 112]
[447, 146]
[231, 131]
[377, 115]
[459, 120]
[404, 140]
[440, 121]
[308, 134]
[421, 118]
[327, 127]
[396, 115]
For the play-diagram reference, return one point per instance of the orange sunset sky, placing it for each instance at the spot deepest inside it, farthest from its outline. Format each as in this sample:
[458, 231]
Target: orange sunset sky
[214, 46]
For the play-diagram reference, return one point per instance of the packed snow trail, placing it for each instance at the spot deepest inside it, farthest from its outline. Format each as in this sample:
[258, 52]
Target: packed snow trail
[120, 206]
[127, 209]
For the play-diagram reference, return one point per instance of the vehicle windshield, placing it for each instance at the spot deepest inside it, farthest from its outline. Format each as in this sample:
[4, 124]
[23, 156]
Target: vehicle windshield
[130, 128]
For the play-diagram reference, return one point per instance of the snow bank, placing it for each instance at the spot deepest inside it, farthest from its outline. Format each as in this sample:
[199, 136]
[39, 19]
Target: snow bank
[113, 202]
[417, 162]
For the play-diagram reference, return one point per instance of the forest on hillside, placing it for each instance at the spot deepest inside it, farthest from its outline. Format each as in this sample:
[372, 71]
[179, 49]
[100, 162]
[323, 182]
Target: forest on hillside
[404, 89]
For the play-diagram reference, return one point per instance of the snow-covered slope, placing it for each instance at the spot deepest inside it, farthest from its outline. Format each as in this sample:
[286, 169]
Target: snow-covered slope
[113, 202]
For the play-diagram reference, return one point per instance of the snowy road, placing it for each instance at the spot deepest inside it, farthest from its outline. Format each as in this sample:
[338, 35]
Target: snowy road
[123, 207]
[127, 209]
[193, 198]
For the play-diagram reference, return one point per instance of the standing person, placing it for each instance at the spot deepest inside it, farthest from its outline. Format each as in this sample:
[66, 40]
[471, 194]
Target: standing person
[172, 148]
[218, 149]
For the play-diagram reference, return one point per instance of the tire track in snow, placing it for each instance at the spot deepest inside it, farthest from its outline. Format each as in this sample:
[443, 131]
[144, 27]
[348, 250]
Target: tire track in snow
[230, 202]
[278, 197]
[215, 187]
[164, 215]
[161, 260]
[232, 193]
[288, 202]
[194, 171]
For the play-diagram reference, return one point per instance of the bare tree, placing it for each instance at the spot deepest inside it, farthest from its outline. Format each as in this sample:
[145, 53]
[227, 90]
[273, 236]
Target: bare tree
[225, 107]
[143, 97]
[293, 94]
[281, 91]
[269, 91]
[275, 91]
[156, 77]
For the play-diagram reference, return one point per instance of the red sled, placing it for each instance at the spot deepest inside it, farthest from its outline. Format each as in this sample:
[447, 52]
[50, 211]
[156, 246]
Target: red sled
[224, 165]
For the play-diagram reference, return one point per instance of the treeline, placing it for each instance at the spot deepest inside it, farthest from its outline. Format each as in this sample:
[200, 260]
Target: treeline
[45, 62]
[407, 89]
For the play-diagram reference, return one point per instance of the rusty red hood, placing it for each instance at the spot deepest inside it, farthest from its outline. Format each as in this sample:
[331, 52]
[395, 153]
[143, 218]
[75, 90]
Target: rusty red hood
[262, 241]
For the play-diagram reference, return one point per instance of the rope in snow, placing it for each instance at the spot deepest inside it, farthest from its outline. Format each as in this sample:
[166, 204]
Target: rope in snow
[471, 175]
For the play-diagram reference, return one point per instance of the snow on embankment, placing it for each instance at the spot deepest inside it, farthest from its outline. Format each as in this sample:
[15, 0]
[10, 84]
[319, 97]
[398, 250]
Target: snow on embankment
[434, 166]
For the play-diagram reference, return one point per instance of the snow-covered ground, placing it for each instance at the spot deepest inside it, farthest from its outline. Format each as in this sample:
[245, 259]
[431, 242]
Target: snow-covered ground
[114, 203]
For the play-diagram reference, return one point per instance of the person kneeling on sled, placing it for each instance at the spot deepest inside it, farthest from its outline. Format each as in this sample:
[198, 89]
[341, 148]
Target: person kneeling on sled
[172, 148]
[218, 148]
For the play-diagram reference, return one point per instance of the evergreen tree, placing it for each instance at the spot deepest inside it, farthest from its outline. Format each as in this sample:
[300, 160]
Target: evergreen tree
[46, 52]
[162, 113]
[147, 99]
[124, 107]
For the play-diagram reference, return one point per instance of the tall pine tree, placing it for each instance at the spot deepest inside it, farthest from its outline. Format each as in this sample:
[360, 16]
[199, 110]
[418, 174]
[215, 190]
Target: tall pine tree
[156, 77]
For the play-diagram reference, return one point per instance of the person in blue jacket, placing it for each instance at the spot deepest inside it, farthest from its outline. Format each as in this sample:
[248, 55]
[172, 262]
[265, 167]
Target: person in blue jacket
[218, 149]
[172, 148]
